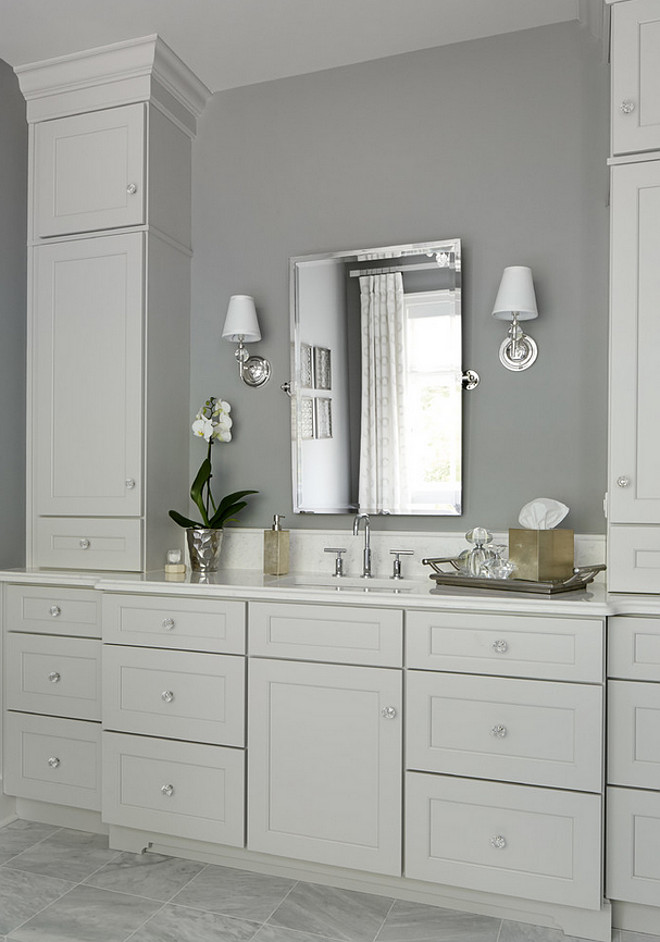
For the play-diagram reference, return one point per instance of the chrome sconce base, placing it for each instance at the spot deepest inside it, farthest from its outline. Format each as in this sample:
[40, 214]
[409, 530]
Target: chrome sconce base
[518, 354]
[253, 370]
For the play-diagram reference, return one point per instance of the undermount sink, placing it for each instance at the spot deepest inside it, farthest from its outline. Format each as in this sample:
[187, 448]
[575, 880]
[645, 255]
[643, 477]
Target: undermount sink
[311, 580]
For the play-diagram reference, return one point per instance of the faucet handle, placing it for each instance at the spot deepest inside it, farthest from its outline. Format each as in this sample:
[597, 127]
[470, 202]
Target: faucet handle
[339, 562]
[396, 562]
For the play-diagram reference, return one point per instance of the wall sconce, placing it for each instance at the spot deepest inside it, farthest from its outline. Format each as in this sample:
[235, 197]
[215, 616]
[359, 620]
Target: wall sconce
[241, 327]
[516, 301]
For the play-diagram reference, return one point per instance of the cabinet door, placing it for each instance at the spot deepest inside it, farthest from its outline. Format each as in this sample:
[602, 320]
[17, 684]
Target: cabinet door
[87, 376]
[89, 171]
[324, 764]
[634, 480]
[635, 76]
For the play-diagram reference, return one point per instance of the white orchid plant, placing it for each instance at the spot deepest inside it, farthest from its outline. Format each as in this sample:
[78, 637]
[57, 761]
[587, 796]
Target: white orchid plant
[212, 423]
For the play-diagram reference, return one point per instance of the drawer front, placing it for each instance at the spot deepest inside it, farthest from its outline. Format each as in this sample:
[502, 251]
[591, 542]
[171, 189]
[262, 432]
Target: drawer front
[527, 731]
[89, 543]
[633, 558]
[53, 611]
[177, 788]
[185, 624]
[533, 843]
[634, 734]
[56, 676]
[174, 694]
[53, 760]
[506, 645]
[634, 647]
[633, 839]
[327, 633]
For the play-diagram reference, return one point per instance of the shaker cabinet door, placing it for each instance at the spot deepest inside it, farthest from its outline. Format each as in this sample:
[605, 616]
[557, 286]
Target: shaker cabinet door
[635, 76]
[87, 377]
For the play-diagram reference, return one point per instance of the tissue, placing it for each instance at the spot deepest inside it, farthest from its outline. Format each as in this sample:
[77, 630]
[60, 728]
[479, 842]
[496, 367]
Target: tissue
[542, 513]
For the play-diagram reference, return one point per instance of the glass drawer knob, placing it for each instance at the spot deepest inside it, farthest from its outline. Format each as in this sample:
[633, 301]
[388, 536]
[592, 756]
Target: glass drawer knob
[623, 481]
[130, 483]
[54, 677]
[167, 790]
[500, 647]
[84, 544]
[167, 696]
[498, 842]
[499, 732]
[131, 189]
[168, 624]
[53, 762]
[389, 712]
[55, 610]
[627, 106]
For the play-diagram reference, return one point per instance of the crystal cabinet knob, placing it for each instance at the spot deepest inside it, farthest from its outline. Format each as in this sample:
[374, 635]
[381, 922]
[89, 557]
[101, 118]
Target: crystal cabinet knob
[623, 481]
[627, 106]
[54, 677]
[167, 696]
[55, 610]
[53, 762]
[500, 647]
[84, 544]
[167, 790]
[130, 483]
[131, 189]
[499, 732]
[168, 624]
[389, 712]
[498, 842]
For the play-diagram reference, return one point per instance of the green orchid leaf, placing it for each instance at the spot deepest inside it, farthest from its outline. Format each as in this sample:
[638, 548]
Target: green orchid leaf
[231, 504]
[182, 521]
[201, 480]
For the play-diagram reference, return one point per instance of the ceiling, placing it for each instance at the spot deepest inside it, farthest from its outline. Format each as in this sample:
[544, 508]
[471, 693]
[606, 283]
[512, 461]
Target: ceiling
[240, 42]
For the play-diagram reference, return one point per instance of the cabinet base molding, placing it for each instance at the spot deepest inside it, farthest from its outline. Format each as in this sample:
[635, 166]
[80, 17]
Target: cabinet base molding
[635, 917]
[581, 923]
[60, 816]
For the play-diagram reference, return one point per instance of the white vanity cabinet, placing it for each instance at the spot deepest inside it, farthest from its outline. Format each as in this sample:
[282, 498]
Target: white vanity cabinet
[635, 76]
[324, 739]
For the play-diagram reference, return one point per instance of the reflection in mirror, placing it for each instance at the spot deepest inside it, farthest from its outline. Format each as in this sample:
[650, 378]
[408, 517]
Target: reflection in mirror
[376, 390]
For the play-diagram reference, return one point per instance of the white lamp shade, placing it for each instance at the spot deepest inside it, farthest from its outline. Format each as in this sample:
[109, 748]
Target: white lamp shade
[241, 320]
[516, 294]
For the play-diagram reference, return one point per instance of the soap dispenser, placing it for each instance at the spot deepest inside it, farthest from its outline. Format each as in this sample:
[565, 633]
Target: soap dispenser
[276, 548]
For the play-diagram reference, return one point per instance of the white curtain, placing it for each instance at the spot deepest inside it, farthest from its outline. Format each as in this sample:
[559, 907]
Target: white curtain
[383, 477]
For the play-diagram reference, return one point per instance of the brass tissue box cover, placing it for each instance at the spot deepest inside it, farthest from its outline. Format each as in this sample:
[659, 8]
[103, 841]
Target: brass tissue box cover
[542, 555]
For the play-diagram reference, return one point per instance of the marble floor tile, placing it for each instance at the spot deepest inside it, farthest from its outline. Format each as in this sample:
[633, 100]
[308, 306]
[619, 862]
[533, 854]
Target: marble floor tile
[181, 924]
[521, 932]
[239, 893]
[68, 855]
[150, 875]
[417, 922]
[626, 935]
[87, 914]
[19, 835]
[24, 894]
[332, 913]
[269, 933]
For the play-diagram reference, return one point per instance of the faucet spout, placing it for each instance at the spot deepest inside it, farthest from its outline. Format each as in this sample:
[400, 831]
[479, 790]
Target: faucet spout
[366, 554]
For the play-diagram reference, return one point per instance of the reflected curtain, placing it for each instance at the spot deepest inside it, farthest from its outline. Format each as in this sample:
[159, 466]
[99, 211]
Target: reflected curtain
[383, 477]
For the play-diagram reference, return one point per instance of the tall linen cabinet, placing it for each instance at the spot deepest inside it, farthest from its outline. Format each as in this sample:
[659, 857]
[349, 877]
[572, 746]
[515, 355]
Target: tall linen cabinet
[109, 303]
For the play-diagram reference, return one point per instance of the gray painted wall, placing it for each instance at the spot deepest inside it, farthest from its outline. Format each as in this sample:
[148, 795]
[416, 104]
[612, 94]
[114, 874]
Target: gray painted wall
[501, 142]
[13, 196]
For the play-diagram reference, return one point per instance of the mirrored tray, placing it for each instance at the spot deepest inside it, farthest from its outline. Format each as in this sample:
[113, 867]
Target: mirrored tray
[451, 575]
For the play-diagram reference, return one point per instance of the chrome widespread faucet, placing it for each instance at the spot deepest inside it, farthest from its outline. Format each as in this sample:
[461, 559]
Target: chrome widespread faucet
[366, 555]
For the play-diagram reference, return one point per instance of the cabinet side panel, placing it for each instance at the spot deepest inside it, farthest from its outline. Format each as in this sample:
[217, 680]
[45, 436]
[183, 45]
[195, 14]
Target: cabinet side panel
[169, 180]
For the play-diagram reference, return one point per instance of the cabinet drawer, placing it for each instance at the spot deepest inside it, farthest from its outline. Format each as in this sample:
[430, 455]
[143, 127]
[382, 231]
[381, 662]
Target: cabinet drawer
[175, 694]
[89, 171]
[53, 760]
[506, 645]
[89, 543]
[51, 610]
[186, 624]
[633, 729]
[57, 676]
[182, 789]
[512, 730]
[327, 633]
[633, 838]
[634, 647]
[533, 843]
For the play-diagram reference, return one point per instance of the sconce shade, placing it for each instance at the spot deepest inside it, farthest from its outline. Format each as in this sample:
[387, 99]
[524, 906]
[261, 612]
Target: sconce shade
[241, 321]
[516, 294]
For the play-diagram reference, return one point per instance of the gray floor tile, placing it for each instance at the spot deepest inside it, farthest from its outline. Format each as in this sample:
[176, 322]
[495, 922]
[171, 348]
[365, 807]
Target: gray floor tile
[628, 936]
[19, 835]
[149, 875]
[180, 924]
[521, 932]
[24, 894]
[87, 914]
[238, 893]
[68, 855]
[416, 922]
[270, 933]
[332, 913]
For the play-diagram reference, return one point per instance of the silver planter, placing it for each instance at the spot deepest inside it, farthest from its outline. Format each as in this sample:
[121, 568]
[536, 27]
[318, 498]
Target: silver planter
[204, 547]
